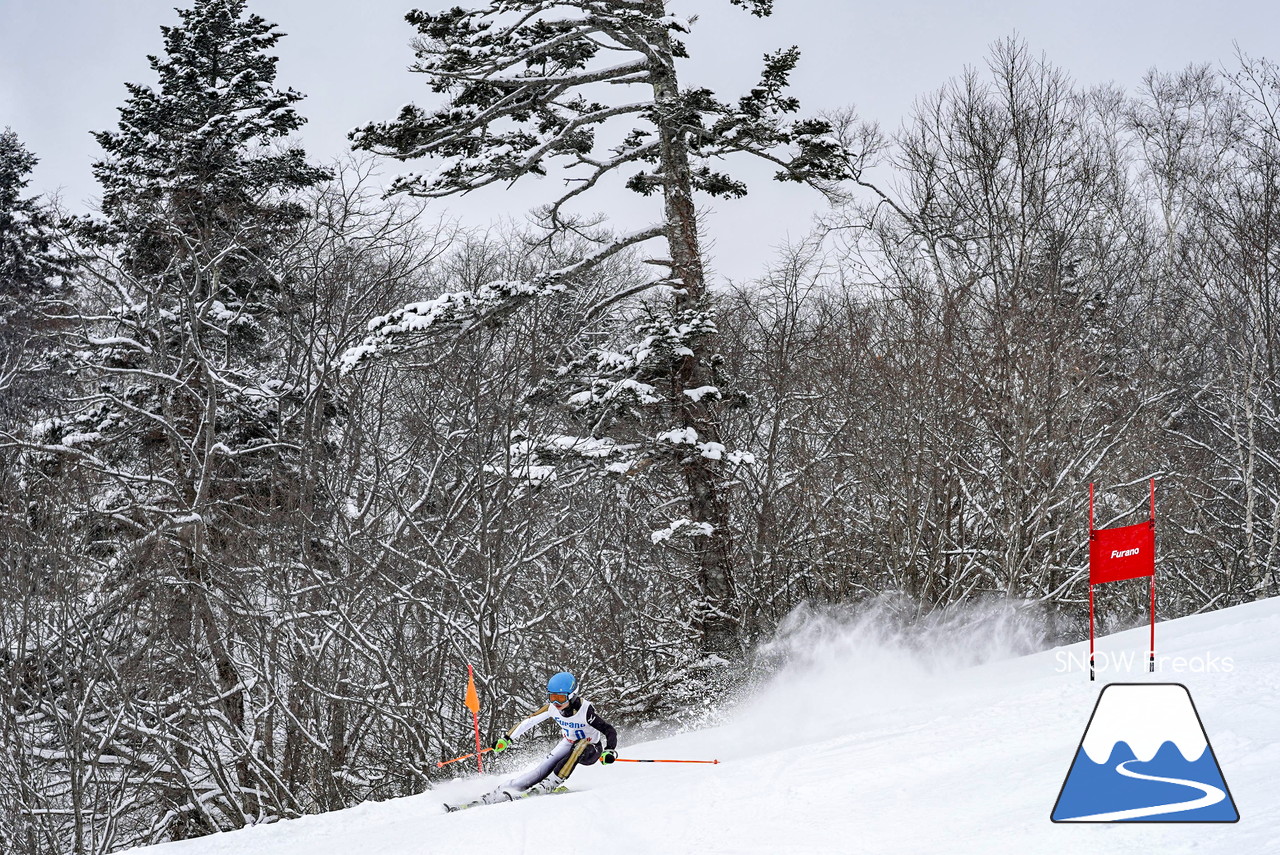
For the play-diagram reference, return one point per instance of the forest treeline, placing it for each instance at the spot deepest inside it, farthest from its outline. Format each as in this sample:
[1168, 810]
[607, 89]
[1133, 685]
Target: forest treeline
[283, 454]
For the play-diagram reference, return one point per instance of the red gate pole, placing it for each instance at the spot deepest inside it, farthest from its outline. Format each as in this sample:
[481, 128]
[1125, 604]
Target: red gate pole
[1151, 664]
[1091, 633]
[1091, 586]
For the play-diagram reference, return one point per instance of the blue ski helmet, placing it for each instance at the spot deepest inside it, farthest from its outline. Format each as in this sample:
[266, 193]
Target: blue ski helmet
[560, 687]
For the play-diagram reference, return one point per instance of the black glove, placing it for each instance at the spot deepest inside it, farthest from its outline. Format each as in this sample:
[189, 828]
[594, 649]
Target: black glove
[608, 756]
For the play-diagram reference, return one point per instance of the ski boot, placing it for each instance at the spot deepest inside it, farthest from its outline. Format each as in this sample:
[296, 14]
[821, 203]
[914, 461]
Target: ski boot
[553, 783]
[502, 794]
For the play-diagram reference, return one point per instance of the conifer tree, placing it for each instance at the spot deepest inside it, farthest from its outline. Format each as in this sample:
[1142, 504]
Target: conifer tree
[193, 159]
[535, 86]
[199, 201]
[31, 269]
[187, 411]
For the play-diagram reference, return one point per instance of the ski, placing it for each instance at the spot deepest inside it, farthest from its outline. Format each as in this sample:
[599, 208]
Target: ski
[529, 795]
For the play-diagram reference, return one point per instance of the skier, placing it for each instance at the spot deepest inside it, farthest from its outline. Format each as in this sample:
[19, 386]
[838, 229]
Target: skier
[587, 738]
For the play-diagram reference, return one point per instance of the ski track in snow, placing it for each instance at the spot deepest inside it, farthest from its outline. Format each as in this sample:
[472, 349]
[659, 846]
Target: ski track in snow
[870, 748]
[1211, 795]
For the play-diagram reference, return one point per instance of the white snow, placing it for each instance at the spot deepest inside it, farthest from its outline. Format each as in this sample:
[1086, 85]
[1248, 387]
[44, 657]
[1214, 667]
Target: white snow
[679, 436]
[701, 392]
[869, 741]
[711, 450]
[583, 446]
[688, 528]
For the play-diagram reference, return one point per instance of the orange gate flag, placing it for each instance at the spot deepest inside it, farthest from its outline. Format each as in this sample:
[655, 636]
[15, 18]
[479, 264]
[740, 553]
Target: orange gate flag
[473, 698]
[473, 704]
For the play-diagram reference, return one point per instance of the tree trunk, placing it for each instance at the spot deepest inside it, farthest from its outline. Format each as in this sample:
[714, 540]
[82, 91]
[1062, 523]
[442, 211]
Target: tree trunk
[717, 613]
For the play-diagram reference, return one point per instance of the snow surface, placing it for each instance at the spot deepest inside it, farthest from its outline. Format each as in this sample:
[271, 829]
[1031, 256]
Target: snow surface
[867, 742]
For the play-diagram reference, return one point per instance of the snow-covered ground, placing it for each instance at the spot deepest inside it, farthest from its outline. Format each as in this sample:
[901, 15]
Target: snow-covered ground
[867, 743]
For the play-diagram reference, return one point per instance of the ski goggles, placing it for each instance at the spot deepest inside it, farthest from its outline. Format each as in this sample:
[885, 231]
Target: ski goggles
[558, 697]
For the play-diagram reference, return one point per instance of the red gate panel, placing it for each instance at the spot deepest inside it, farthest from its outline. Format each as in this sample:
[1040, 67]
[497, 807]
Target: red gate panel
[1122, 553]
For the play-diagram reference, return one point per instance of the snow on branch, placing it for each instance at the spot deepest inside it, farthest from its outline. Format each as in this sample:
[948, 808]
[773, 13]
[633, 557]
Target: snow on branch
[536, 462]
[710, 450]
[683, 528]
[465, 311]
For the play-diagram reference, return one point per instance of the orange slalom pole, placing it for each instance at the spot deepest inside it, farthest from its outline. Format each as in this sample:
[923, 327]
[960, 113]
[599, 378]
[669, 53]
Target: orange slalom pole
[463, 757]
[630, 760]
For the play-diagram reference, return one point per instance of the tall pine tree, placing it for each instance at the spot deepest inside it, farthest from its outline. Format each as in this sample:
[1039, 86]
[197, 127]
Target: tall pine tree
[536, 85]
[187, 411]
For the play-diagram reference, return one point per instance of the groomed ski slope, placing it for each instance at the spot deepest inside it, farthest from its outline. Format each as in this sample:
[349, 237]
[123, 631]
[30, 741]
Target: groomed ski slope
[866, 744]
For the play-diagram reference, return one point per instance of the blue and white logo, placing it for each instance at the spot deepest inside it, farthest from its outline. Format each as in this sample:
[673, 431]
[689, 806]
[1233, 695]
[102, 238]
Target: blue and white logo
[1145, 757]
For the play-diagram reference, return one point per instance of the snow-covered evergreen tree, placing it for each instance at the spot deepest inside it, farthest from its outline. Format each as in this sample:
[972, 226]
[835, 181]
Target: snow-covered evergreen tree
[187, 414]
[198, 159]
[196, 196]
[591, 88]
[30, 266]
[28, 261]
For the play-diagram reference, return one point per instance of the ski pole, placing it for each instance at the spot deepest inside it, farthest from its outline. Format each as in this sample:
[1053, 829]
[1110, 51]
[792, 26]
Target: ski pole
[463, 757]
[629, 760]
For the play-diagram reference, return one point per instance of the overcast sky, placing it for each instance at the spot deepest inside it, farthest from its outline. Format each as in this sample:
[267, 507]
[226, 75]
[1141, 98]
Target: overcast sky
[63, 64]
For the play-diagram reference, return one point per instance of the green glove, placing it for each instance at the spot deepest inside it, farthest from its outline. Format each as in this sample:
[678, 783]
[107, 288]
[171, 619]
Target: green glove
[501, 745]
[608, 756]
